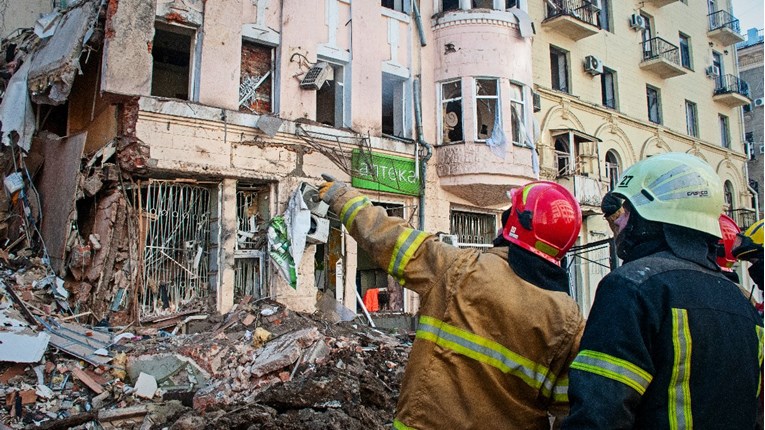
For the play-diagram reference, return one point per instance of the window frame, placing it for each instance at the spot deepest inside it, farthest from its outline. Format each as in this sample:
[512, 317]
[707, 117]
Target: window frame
[688, 48]
[691, 119]
[341, 92]
[605, 16]
[657, 91]
[613, 167]
[725, 138]
[443, 102]
[614, 88]
[497, 107]
[401, 113]
[520, 104]
[560, 54]
[193, 34]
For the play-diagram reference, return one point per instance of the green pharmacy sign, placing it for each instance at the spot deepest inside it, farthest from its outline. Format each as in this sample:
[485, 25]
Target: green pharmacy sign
[384, 173]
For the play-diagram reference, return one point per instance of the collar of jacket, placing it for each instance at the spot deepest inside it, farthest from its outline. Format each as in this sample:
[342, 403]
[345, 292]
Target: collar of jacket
[536, 270]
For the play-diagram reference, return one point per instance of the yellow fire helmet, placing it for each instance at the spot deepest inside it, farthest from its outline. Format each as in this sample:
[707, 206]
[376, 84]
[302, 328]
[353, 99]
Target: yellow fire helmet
[675, 188]
[749, 243]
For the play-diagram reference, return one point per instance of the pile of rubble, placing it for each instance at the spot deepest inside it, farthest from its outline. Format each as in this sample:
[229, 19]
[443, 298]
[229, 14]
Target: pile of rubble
[261, 366]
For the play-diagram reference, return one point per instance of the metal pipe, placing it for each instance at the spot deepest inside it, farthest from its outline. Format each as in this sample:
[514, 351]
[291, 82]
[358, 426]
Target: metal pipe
[428, 149]
[418, 21]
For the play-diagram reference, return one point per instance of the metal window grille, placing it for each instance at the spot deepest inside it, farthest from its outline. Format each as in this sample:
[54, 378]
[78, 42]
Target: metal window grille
[176, 254]
[474, 230]
[249, 267]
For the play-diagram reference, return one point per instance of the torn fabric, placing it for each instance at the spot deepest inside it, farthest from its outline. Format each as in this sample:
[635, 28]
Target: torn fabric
[16, 111]
[55, 65]
[497, 141]
[279, 250]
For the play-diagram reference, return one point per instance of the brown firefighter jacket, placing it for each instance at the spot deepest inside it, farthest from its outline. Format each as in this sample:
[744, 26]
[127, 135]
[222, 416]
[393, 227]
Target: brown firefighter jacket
[492, 351]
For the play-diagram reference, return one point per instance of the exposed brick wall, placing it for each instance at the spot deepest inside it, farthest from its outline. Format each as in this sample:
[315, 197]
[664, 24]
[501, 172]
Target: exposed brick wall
[256, 61]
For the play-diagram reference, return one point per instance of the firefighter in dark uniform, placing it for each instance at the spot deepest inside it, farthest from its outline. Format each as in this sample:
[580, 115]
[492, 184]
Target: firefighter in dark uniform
[670, 343]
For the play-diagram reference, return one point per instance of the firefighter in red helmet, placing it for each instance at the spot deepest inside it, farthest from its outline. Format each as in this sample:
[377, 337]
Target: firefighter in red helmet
[497, 329]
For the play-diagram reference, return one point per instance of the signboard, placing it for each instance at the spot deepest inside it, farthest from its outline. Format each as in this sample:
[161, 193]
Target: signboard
[384, 173]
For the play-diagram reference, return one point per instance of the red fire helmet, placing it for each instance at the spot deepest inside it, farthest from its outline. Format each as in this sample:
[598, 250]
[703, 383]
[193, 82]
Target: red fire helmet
[545, 219]
[729, 229]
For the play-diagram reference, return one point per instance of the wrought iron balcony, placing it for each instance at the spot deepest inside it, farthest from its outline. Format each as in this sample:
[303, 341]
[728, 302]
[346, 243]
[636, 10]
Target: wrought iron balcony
[744, 217]
[575, 19]
[731, 90]
[662, 58]
[724, 28]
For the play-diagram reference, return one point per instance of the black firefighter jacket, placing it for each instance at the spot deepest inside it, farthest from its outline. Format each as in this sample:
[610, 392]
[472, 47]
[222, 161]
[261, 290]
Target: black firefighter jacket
[491, 351]
[668, 345]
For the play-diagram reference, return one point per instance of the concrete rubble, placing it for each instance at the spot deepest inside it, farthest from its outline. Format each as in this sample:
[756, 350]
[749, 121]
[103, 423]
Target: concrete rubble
[261, 366]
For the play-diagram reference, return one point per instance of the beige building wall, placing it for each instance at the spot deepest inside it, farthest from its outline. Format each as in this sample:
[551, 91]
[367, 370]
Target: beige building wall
[21, 14]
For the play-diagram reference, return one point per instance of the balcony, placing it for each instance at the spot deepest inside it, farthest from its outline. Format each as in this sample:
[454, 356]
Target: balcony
[661, 3]
[587, 190]
[732, 91]
[743, 217]
[724, 28]
[661, 58]
[575, 19]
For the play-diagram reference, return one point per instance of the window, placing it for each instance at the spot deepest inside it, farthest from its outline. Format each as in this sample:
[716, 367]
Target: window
[394, 121]
[654, 104]
[255, 78]
[397, 5]
[451, 112]
[604, 16]
[171, 53]
[685, 51]
[518, 109]
[563, 156]
[747, 108]
[724, 132]
[486, 107]
[728, 194]
[450, 5]
[717, 61]
[613, 168]
[330, 98]
[691, 119]
[608, 88]
[473, 230]
[483, 4]
[559, 69]
[511, 3]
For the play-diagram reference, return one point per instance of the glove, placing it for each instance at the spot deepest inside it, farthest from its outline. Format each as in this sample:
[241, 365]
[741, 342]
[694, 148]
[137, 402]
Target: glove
[329, 187]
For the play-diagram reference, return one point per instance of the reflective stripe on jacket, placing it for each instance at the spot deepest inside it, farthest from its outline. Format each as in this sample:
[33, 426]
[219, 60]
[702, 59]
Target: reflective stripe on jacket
[668, 345]
[491, 350]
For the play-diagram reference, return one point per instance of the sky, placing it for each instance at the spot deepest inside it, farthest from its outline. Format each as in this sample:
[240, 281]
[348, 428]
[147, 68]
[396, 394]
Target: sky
[749, 13]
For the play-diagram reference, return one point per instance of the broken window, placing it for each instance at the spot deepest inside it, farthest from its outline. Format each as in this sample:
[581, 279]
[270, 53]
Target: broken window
[562, 156]
[330, 98]
[518, 109]
[255, 89]
[654, 104]
[486, 107]
[473, 229]
[394, 106]
[451, 112]
[252, 215]
[381, 292]
[483, 4]
[175, 218]
[575, 152]
[397, 5]
[171, 51]
[559, 69]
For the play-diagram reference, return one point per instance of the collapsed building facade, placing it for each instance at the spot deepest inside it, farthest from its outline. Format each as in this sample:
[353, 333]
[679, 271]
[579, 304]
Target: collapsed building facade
[159, 141]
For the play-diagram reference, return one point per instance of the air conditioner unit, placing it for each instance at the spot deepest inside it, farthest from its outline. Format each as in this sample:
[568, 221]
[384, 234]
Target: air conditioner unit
[311, 198]
[712, 71]
[451, 239]
[537, 101]
[595, 5]
[759, 102]
[319, 230]
[593, 65]
[316, 76]
[637, 21]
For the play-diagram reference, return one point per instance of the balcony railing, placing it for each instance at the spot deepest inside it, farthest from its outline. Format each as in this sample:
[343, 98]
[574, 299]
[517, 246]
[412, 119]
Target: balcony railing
[723, 19]
[658, 48]
[731, 84]
[743, 217]
[582, 10]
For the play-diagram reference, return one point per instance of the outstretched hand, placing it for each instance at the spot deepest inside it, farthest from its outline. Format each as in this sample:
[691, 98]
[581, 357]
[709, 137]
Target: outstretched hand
[329, 181]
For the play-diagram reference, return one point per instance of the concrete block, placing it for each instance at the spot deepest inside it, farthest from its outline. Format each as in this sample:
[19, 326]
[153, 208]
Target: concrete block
[145, 386]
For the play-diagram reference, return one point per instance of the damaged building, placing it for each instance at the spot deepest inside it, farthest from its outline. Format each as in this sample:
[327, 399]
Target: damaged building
[160, 142]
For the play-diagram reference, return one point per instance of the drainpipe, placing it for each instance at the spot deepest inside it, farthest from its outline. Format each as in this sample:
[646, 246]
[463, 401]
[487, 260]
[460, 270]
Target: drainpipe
[742, 136]
[428, 149]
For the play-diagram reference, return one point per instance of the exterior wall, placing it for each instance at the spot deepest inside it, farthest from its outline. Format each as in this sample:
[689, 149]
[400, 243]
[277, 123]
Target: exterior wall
[751, 66]
[21, 14]
[626, 130]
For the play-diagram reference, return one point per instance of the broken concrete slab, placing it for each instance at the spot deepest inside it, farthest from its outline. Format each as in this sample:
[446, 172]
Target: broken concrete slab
[163, 366]
[145, 386]
[283, 351]
[23, 347]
